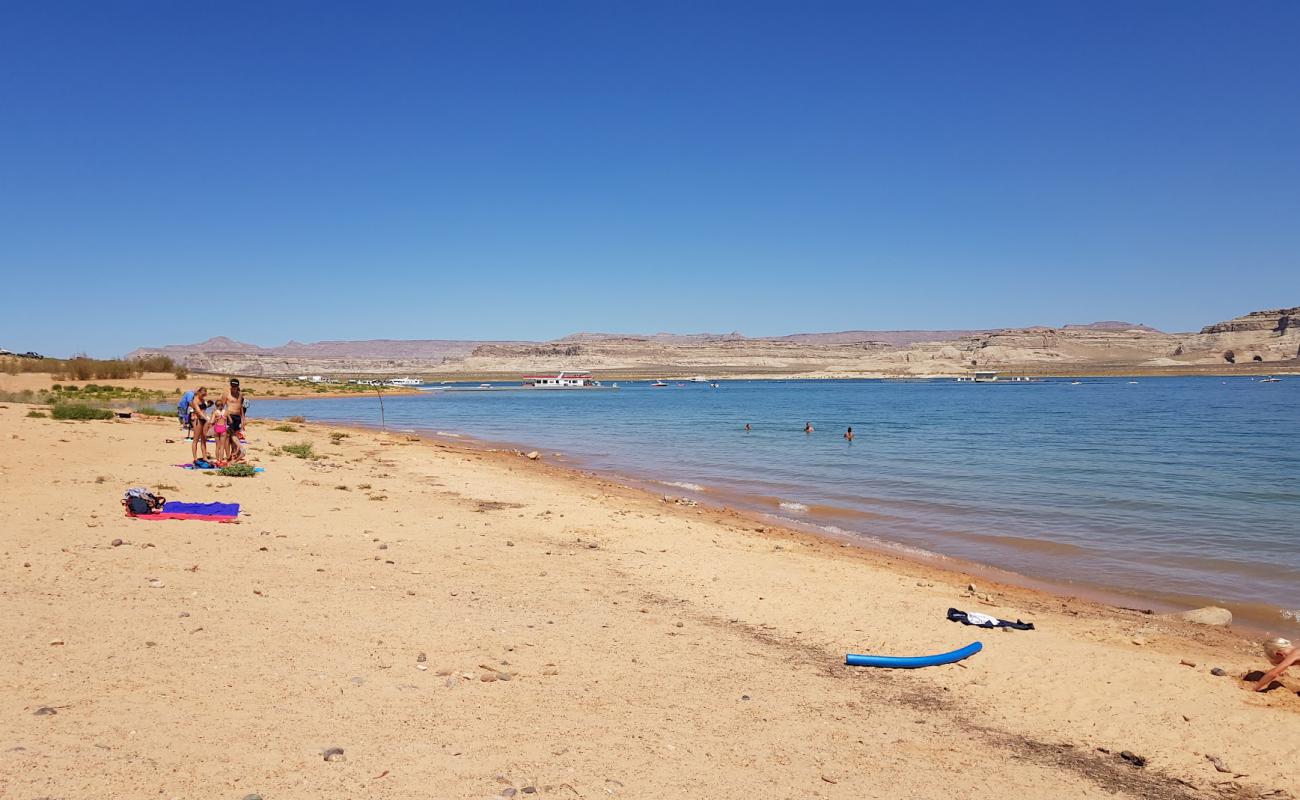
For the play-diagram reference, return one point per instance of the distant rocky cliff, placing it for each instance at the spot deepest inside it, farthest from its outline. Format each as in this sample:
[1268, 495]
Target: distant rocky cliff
[1264, 337]
[1278, 320]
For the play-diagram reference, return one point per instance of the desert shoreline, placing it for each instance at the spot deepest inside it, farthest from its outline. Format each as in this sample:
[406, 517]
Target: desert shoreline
[638, 637]
[1254, 624]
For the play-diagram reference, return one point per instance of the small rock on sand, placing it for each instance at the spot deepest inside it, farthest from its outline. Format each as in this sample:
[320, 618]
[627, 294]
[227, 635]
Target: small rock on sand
[509, 791]
[1210, 615]
[334, 754]
[117, 542]
[1218, 672]
[252, 797]
[154, 583]
[534, 455]
[1133, 758]
[45, 711]
[421, 658]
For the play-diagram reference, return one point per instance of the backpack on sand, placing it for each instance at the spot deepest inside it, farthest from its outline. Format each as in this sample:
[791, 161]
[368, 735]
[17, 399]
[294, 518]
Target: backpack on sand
[142, 501]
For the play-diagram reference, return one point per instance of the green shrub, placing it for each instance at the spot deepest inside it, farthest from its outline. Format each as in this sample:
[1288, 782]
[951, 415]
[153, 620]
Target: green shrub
[301, 450]
[150, 411]
[80, 411]
[37, 414]
[338, 436]
[285, 429]
[181, 373]
[237, 471]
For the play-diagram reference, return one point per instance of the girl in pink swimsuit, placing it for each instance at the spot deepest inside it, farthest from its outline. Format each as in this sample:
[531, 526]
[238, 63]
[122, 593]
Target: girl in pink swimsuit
[219, 430]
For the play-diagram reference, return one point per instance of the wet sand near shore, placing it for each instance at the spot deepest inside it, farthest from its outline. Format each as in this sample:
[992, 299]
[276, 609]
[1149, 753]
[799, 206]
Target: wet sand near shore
[579, 638]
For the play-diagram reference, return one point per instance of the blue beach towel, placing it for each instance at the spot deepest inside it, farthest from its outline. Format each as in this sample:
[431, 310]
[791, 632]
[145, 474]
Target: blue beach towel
[201, 509]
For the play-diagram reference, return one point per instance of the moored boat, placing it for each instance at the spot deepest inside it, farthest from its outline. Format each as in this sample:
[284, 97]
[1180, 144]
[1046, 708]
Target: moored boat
[562, 380]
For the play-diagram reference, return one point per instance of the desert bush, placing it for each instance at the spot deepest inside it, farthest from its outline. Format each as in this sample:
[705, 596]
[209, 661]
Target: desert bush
[80, 411]
[297, 419]
[238, 471]
[301, 450]
[37, 414]
[150, 411]
[285, 429]
[181, 373]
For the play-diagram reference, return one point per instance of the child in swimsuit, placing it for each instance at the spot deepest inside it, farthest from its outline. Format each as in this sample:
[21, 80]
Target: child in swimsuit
[219, 430]
[1281, 654]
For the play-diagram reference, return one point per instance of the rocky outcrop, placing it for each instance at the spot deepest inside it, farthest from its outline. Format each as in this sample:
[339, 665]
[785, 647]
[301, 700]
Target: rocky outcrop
[1278, 321]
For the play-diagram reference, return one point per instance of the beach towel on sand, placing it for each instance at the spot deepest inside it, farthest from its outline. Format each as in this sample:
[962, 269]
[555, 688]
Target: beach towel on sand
[215, 466]
[212, 512]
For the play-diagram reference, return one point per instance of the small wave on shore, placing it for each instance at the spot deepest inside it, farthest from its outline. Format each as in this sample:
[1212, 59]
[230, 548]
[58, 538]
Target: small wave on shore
[688, 486]
[789, 506]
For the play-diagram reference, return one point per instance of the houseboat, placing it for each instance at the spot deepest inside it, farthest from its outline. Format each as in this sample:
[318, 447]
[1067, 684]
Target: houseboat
[404, 382]
[979, 376]
[563, 380]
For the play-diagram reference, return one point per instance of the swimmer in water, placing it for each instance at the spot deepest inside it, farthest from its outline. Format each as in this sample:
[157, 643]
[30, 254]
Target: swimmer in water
[807, 427]
[849, 434]
[1281, 654]
[747, 428]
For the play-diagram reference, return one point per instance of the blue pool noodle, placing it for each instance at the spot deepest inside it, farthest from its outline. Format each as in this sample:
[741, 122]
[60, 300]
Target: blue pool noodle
[912, 662]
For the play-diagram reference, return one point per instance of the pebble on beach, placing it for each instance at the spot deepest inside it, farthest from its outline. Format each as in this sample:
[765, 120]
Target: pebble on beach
[334, 754]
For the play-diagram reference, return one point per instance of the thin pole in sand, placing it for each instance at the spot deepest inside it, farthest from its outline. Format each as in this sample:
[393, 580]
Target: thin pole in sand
[383, 424]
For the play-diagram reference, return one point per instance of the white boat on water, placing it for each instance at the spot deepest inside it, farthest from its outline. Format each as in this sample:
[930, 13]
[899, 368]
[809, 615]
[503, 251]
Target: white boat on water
[658, 384]
[403, 382]
[699, 379]
[1271, 379]
[563, 380]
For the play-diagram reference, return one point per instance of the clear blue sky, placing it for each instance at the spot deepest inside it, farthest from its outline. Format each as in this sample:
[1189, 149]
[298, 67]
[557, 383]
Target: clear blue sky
[171, 170]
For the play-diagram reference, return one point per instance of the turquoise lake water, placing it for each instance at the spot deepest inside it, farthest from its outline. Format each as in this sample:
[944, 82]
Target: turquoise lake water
[1178, 489]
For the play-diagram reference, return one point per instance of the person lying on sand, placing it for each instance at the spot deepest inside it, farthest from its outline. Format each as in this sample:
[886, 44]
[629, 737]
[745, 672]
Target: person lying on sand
[1281, 654]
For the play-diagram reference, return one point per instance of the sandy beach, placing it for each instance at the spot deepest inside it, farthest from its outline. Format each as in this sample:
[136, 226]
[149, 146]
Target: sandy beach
[473, 624]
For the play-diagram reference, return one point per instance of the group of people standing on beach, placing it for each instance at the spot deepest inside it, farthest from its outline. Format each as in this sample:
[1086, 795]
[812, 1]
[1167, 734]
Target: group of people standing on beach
[224, 420]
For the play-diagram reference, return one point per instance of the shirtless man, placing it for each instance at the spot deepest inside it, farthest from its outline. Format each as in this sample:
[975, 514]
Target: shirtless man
[199, 424]
[234, 400]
